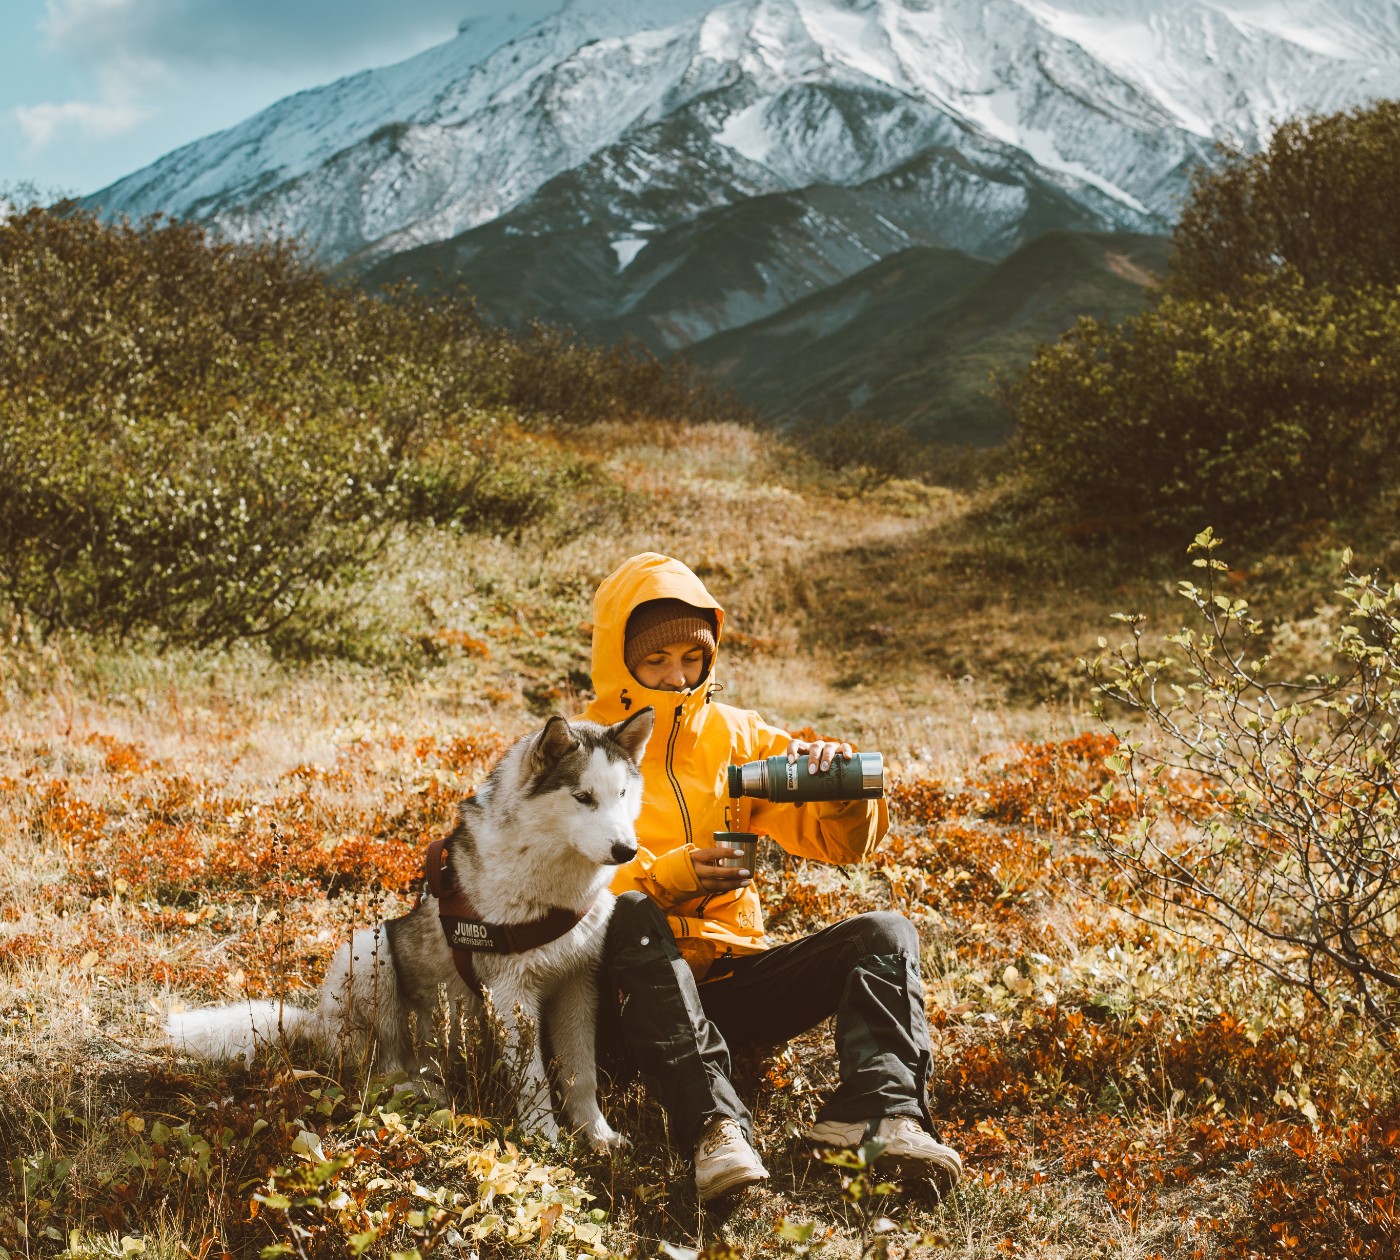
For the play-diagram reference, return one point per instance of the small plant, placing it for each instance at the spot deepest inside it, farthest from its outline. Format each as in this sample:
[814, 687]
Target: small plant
[866, 1195]
[865, 452]
[864, 1192]
[1268, 810]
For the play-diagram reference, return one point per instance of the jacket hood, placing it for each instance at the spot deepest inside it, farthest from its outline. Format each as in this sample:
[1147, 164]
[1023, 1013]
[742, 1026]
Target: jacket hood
[636, 581]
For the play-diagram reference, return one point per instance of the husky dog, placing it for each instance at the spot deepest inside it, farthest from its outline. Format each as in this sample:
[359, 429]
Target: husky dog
[538, 841]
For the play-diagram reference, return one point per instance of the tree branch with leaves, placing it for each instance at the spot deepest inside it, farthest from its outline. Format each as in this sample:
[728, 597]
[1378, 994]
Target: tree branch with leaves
[1265, 808]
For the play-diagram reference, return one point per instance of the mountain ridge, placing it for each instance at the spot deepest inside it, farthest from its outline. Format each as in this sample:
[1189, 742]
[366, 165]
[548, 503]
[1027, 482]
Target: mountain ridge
[915, 338]
[1095, 93]
[673, 176]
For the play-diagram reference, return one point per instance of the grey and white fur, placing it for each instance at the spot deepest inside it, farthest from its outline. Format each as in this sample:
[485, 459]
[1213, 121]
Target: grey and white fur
[546, 829]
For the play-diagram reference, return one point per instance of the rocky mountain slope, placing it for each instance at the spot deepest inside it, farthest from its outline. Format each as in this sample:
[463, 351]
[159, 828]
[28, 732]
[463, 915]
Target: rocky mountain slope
[916, 338]
[672, 171]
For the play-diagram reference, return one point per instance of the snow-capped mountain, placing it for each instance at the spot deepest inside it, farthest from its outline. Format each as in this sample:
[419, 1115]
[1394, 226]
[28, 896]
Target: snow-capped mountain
[607, 142]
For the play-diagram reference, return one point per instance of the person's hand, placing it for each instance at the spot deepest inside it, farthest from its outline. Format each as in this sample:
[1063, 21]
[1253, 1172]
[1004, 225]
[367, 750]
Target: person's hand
[820, 753]
[714, 878]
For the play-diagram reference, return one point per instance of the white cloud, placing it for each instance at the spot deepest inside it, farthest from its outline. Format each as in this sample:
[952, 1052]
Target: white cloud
[144, 76]
[97, 120]
[293, 33]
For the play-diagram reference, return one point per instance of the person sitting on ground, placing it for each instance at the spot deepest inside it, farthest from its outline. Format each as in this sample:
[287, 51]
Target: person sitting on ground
[686, 960]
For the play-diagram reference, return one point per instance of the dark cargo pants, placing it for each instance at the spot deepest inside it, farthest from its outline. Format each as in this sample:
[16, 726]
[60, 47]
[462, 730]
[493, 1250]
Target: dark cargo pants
[865, 971]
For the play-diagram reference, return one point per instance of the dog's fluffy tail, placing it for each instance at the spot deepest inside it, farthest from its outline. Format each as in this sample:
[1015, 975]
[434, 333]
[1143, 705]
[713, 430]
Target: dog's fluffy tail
[236, 1032]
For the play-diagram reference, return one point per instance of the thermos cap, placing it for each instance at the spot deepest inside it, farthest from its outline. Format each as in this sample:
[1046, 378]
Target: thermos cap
[872, 772]
[746, 840]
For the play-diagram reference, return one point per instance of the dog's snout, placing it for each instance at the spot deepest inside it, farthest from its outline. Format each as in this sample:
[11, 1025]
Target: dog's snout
[622, 851]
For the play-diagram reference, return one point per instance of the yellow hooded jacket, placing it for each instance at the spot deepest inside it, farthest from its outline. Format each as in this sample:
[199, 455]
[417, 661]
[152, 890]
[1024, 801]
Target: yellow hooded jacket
[685, 795]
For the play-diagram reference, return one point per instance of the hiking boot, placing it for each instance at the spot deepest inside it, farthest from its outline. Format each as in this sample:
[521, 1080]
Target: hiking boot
[724, 1160]
[917, 1157]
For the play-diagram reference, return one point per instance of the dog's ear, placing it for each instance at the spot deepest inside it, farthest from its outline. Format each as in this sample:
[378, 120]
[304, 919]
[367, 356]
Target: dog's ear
[633, 734]
[555, 742]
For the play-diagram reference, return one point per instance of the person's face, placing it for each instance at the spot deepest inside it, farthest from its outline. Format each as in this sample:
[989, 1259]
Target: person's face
[676, 667]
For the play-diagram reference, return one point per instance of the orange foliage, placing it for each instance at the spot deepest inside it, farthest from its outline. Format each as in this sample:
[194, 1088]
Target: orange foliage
[461, 639]
[172, 860]
[1068, 1058]
[920, 803]
[63, 820]
[120, 757]
[1046, 783]
[1334, 1191]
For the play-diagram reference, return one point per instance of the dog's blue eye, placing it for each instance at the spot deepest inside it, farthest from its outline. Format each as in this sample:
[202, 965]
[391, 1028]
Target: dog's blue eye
[585, 798]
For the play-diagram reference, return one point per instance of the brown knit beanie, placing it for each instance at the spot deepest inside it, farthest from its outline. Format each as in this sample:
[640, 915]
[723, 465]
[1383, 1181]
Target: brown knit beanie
[661, 622]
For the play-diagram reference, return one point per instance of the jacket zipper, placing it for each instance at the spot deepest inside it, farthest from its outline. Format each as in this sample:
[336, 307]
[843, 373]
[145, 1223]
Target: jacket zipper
[671, 772]
[680, 796]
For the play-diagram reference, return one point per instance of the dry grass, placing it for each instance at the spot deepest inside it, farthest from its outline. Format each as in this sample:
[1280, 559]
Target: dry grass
[178, 828]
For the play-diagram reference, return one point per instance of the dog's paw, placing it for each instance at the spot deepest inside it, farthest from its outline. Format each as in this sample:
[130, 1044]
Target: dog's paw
[602, 1137]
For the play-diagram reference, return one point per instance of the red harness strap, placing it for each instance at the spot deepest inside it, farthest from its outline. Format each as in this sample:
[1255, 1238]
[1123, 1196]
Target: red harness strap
[467, 934]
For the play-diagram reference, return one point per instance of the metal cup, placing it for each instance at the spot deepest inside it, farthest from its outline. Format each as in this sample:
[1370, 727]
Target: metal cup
[746, 840]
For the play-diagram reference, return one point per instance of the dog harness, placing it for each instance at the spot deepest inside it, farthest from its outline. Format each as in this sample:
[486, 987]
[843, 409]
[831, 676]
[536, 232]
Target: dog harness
[467, 934]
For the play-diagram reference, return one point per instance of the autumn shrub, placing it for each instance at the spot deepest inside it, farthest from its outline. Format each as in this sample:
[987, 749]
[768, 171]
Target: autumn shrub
[1254, 413]
[1260, 392]
[1296, 866]
[1068, 1058]
[197, 438]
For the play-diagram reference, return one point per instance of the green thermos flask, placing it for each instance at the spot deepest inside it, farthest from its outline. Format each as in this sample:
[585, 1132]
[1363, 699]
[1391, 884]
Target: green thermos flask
[858, 778]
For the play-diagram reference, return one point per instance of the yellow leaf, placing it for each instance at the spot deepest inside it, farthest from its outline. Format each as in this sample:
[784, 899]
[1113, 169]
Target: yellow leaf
[1016, 983]
[308, 1143]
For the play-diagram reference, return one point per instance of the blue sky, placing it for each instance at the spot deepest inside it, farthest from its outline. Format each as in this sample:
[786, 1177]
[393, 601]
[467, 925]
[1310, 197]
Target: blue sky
[91, 90]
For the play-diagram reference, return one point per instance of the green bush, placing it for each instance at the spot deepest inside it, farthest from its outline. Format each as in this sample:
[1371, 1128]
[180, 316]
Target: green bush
[1263, 389]
[1320, 200]
[864, 452]
[196, 437]
[1256, 414]
[553, 374]
[499, 478]
[205, 528]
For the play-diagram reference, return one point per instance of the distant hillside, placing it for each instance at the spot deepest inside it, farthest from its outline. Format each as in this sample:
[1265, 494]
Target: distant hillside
[676, 172]
[915, 337]
[725, 267]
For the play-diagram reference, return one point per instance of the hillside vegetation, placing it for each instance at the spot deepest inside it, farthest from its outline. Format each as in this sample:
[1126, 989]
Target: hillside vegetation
[206, 442]
[917, 339]
[1261, 393]
[287, 568]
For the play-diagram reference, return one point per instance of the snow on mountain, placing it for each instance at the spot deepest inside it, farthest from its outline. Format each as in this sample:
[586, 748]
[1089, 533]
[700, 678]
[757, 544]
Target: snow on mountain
[610, 113]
